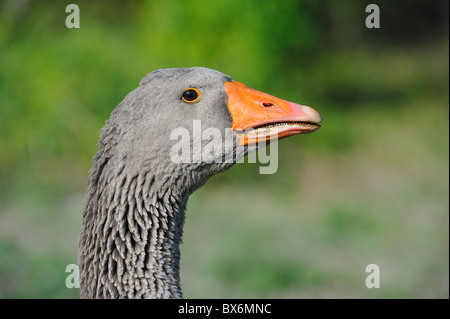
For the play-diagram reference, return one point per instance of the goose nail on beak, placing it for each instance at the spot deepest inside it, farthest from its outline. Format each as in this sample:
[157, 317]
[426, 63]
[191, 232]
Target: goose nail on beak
[258, 116]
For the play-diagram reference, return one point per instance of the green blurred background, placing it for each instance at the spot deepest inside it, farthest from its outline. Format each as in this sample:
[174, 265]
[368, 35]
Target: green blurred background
[371, 186]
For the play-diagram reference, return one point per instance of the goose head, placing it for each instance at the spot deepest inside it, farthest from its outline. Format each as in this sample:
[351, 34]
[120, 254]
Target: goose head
[163, 141]
[198, 122]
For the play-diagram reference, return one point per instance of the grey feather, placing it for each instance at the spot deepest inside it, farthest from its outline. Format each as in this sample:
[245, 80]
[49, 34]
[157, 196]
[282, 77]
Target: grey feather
[136, 196]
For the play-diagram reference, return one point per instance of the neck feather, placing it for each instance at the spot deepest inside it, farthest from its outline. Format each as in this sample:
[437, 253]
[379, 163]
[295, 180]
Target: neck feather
[130, 235]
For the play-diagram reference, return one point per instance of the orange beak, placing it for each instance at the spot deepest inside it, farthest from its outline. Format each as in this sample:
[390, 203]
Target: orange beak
[258, 116]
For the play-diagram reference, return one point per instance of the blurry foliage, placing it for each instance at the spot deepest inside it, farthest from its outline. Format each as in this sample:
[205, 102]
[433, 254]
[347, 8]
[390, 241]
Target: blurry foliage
[57, 86]
[267, 275]
[378, 163]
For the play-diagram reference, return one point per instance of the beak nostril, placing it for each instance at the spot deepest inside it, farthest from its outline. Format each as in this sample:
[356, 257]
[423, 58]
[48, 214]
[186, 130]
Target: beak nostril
[267, 104]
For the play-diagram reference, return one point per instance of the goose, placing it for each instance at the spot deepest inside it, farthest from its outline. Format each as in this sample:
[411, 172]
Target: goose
[137, 191]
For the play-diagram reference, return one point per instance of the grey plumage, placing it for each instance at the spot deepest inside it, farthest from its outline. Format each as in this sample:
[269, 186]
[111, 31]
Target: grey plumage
[136, 196]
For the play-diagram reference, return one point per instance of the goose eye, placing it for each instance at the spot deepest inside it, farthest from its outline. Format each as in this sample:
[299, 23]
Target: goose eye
[191, 95]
